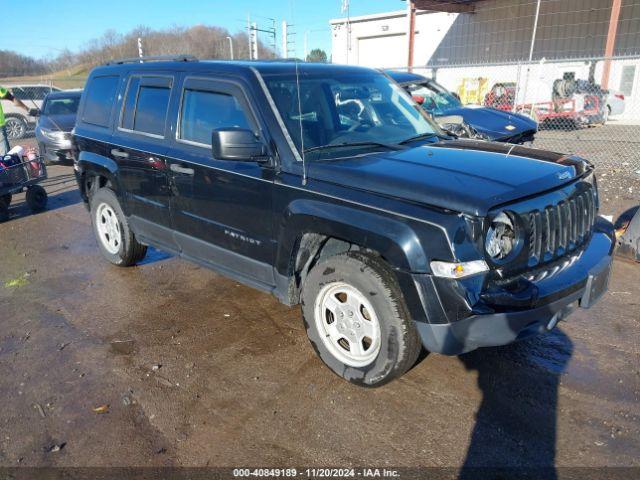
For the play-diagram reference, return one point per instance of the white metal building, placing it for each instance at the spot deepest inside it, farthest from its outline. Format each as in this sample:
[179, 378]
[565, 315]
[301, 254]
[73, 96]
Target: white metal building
[494, 43]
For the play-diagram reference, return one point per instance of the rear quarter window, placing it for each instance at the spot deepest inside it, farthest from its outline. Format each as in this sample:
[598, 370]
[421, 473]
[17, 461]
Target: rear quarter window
[100, 96]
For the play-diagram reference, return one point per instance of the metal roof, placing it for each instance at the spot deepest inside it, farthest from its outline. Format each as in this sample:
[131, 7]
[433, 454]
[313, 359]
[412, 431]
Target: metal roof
[456, 6]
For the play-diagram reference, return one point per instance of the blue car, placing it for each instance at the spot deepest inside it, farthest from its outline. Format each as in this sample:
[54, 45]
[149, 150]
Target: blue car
[486, 123]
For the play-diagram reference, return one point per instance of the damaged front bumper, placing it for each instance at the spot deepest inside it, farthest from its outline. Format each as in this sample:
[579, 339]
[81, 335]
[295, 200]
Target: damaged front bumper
[457, 316]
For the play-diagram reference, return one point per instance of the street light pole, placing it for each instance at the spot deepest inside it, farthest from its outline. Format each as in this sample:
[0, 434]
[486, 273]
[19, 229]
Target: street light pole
[230, 46]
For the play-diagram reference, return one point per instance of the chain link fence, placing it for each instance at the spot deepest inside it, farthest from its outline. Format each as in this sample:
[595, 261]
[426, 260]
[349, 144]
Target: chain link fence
[575, 115]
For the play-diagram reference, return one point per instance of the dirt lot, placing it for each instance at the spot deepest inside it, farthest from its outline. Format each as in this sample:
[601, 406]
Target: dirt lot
[193, 369]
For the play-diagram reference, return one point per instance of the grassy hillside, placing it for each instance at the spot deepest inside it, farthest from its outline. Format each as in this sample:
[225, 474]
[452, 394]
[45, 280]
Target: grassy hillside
[73, 77]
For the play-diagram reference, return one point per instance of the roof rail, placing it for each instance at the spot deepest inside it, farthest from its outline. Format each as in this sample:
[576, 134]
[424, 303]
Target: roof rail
[157, 58]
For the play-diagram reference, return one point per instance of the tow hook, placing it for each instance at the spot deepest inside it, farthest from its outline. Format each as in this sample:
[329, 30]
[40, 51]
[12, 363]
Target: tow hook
[554, 321]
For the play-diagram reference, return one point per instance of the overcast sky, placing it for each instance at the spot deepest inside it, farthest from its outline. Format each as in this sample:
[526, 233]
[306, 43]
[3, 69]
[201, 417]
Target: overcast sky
[42, 28]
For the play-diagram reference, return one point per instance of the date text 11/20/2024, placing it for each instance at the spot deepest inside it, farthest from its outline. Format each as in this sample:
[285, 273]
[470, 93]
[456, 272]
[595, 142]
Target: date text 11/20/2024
[316, 472]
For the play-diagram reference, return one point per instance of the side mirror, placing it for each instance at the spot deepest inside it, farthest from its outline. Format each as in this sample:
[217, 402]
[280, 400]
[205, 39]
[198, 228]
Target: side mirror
[34, 112]
[237, 144]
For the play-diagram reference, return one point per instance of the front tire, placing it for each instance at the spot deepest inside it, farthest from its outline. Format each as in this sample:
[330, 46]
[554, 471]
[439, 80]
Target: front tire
[357, 320]
[115, 239]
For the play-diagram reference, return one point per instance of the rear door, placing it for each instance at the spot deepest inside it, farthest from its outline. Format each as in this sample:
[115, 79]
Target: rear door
[221, 209]
[139, 148]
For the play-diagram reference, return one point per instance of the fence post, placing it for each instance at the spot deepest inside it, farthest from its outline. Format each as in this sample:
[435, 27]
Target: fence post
[533, 42]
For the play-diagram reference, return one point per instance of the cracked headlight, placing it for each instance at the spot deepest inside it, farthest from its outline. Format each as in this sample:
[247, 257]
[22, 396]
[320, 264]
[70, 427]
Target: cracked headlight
[501, 237]
[55, 135]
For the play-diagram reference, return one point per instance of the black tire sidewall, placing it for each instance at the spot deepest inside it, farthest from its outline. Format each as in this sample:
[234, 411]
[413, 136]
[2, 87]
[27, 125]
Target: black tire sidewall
[105, 195]
[379, 286]
[36, 198]
[4, 210]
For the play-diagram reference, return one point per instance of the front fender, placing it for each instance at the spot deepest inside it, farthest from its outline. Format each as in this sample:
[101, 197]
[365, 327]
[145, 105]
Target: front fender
[394, 238]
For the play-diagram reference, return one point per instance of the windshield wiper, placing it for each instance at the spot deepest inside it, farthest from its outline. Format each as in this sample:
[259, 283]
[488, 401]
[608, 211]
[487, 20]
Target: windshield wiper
[388, 146]
[422, 136]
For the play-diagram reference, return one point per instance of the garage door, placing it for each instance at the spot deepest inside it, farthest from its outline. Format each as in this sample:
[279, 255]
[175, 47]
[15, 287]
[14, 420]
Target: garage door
[382, 52]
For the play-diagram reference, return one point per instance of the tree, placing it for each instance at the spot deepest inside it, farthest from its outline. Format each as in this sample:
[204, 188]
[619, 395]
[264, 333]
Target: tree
[317, 55]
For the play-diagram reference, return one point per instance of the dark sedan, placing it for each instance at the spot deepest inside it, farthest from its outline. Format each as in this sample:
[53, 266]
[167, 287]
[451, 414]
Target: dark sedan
[486, 123]
[55, 123]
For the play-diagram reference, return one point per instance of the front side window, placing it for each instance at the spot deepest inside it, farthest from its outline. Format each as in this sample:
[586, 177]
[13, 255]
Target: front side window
[434, 97]
[205, 111]
[100, 95]
[331, 113]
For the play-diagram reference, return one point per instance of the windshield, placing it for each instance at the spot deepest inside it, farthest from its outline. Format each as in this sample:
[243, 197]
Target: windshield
[365, 111]
[62, 106]
[437, 99]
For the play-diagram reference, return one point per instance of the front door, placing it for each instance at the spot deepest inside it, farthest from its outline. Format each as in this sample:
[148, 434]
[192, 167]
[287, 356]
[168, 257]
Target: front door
[221, 209]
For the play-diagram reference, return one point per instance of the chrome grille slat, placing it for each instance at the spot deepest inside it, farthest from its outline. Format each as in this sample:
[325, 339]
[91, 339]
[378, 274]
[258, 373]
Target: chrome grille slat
[560, 228]
[581, 222]
[538, 243]
[574, 222]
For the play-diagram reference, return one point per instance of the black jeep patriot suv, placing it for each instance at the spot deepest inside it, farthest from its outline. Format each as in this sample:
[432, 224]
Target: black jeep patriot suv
[326, 186]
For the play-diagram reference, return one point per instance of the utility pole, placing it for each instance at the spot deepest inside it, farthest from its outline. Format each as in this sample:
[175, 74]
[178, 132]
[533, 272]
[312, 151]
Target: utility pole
[346, 8]
[286, 33]
[254, 40]
[140, 54]
[306, 45]
[230, 47]
[249, 36]
[285, 47]
[254, 36]
[411, 34]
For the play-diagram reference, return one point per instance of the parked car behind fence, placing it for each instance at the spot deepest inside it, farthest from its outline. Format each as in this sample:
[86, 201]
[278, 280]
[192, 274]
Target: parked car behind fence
[18, 122]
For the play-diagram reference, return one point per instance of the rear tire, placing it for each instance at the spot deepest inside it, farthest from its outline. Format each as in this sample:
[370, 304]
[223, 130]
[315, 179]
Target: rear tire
[36, 198]
[357, 320]
[115, 239]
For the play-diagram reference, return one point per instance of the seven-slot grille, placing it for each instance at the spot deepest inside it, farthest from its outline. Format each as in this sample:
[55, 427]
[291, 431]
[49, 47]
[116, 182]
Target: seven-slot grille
[560, 228]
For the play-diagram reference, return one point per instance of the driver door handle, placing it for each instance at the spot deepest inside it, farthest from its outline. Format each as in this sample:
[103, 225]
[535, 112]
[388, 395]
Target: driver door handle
[116, 152]
[182, 170]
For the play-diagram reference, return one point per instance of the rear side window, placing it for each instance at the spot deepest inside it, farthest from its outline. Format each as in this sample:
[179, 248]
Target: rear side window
[100, 96]
[145, 105]
[204, 111]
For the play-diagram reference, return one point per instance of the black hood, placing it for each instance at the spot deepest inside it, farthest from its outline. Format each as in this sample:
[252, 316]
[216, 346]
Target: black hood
[462, 175]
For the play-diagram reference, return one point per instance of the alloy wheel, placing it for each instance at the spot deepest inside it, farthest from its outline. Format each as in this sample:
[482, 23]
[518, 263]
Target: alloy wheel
[109, 230]
[347, 324]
